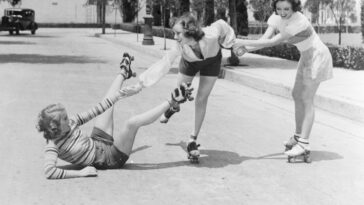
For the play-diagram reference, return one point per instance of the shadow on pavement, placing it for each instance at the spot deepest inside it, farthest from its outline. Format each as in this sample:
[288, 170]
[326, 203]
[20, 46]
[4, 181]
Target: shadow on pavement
[29, 36]
[316, 156]
[208, 159]
[46, 59]
[15, 42]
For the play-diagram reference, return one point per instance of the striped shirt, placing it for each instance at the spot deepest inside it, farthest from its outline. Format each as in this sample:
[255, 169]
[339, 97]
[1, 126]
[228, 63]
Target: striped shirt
[76, 147]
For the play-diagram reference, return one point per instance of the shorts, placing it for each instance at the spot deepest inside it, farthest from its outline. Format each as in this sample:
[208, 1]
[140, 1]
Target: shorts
[107, 156]
[207, 67]
[315, 65]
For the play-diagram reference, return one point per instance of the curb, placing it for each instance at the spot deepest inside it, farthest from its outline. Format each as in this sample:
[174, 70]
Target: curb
[331, 104]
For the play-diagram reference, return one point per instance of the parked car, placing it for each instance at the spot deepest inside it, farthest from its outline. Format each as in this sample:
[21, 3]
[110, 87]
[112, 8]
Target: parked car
[18, 19]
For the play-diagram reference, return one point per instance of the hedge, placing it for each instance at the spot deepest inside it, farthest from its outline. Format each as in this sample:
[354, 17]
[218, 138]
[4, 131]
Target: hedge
[348, 57]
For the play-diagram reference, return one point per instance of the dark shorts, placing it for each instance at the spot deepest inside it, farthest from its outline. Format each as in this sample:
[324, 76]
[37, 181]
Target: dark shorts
[207, 67]
[107, 156]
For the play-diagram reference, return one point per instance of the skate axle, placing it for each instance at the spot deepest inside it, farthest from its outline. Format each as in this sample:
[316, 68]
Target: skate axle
[305, 157]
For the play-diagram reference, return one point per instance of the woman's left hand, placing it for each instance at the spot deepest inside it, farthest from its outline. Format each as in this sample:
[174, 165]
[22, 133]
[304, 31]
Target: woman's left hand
[239, 49]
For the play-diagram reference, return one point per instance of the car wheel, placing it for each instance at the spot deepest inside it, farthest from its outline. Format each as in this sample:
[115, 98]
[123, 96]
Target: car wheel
[33, 32]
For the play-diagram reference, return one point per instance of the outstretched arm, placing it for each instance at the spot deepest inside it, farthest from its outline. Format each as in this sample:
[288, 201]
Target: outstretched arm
[106, 103]
[265, 41]
[51, 171]
[159, 69]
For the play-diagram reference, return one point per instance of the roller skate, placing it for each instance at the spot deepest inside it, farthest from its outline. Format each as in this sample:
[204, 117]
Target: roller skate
[192, 152]
[300, 150]
[178, 96]
[125, 66]
[165, 117]
[291, 142]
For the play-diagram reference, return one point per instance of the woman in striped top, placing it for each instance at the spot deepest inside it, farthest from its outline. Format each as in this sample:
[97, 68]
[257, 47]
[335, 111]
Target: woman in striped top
[102, 149]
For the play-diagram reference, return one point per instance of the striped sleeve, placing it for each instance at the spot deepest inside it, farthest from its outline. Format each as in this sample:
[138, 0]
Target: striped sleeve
[82, 118]
[50, 169]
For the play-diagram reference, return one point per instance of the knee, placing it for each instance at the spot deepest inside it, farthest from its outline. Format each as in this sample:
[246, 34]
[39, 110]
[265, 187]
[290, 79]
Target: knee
[132, 123]
[301, 97]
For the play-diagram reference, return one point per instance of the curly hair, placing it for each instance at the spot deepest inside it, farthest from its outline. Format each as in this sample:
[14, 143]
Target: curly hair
[48, 122]
[296, 5]
[190, 25]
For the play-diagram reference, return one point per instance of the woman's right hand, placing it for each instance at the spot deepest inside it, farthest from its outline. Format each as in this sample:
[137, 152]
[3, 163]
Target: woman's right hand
[88, 171]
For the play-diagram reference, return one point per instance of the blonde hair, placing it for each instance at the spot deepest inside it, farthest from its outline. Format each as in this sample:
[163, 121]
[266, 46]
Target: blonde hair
[48, 122]
[190, 25]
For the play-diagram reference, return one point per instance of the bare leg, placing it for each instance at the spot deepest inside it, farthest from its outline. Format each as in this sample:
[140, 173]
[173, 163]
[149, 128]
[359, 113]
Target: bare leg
[124, 142]
[182, 78]
[204, 89]
[303, 96]
[105, 121]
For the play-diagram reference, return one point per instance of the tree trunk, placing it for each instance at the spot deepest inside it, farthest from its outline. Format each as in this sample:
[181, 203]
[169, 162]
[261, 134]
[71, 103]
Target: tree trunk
[340, 26]
[157, 14]
[103, 17]
[184, 6]
[233, 59]
[242, 18]
[209, 17]
[232, 15]
[362, 19]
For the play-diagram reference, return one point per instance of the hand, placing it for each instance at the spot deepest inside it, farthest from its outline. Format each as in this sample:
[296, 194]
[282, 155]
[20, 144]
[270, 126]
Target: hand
[182, 93]
[131, 90]
[88, 171]
[239, 49]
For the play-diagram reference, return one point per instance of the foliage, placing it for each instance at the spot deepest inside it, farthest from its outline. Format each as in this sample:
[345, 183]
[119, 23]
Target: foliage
[343, 56]
[261, 9]
[242, 17]
[342, 10]
[209, 14]
[197, 6]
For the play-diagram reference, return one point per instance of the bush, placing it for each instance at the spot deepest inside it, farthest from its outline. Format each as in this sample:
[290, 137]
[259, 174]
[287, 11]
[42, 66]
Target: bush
[343, 56]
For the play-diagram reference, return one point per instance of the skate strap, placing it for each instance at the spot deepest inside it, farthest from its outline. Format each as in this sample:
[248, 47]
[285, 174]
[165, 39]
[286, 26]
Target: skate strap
[295, 137]
[303, 142]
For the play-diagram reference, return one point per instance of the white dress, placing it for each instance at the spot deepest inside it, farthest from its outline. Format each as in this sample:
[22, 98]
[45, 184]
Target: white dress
[315, 63]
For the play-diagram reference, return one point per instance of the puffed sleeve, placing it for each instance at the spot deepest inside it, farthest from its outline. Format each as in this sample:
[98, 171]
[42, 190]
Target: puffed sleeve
[226, 33]
[273, 21]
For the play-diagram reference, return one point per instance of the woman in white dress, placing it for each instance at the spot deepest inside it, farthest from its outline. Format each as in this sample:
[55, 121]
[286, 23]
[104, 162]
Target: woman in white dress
[315, 65]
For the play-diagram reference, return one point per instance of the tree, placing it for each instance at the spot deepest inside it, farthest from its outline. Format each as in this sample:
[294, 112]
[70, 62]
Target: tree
[242, 17]
[233, 59]
[342, 10]
[221, 9]
[362, 19]
[209, 14]
[184, 6]
[261, 11]
[197, 6]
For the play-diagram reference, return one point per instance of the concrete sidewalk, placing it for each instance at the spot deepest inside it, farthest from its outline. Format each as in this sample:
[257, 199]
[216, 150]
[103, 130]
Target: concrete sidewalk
[342, 95]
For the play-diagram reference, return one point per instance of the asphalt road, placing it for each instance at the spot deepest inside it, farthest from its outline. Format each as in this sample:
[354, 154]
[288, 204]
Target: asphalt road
[241, 162]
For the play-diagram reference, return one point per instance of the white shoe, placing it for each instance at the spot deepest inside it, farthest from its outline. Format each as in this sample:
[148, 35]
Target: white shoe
[297, 150]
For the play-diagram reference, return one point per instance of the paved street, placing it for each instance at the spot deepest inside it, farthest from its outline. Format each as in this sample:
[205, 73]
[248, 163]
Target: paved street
[241, 162]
